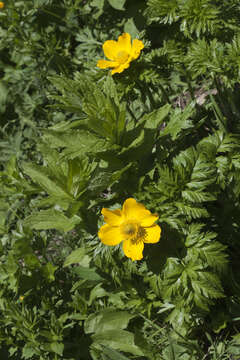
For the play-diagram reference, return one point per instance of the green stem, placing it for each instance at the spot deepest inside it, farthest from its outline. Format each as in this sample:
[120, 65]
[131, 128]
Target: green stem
[190, 88]
[218, 113]
[131, 113]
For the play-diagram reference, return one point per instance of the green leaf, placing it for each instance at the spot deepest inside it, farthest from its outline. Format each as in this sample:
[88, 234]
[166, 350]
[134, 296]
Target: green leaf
[39, 176]
[32, 261]
[28, 351]
[3, 96]
[131, 28]
[57, 348]
[100, 180]
[219, 321]
[156, 117]
[87, 274]
[118, 339]
[48, 271]
[75, 257]
[179, 121]
[97, 292]
[113, 354]
[75, 143]
[107, 319]
[98, 3]
[117, 4]
[51, 219]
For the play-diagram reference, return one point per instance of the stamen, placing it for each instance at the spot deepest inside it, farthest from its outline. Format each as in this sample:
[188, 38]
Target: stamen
[133, 232]
[140, 235]
[129, 229]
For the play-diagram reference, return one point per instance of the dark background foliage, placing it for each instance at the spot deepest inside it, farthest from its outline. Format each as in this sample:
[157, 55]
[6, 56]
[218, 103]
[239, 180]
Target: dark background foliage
[74, 139]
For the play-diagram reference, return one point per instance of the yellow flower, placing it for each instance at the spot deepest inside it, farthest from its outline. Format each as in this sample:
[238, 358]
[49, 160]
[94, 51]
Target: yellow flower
[1, 5]
[120, 52]
[134, 225]
[21, 298]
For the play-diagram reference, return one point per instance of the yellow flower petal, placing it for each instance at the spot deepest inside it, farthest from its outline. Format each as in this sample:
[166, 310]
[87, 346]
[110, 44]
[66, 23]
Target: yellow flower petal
[120, 68]
[124, 43]
[153, 234]
[104, 64]
[121, 52]
[134, 210]
[111, 49]
[110, 235]
[137, 46]
[133, 250]
[149, 220]
[112, 217]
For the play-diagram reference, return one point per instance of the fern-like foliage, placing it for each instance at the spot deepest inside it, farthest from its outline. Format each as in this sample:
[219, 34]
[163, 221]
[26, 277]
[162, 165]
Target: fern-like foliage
[82, 96]
[195, 17]
[182, 191]
[198, 17]
[203, 58]
[165, 11]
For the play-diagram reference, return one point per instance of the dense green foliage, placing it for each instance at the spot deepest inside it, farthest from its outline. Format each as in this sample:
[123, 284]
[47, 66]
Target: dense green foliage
[75, 139]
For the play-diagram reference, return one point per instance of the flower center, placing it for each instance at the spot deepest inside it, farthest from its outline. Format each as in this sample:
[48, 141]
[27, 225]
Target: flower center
[133, 232]
[129, 229]
[122, 57]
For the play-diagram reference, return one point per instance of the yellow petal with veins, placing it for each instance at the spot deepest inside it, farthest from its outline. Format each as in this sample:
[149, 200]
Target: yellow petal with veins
[104, 64]
[137, 46]
[134, 210]
[124, 43]
[110, 235]
[111, 49]
[112, 217]
[133, 250]
[121, 52]
[152, 234]
[120, 68]
[149, 220]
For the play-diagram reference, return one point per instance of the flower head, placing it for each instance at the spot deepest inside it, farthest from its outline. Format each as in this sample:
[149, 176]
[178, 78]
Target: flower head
[1, 5]
[120, 52]
[134, 225]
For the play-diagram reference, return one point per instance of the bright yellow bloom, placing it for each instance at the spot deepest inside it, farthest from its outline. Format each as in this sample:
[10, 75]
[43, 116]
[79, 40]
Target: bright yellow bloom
[134, 225]
[120, 52]
[1, 5]
[21, 298]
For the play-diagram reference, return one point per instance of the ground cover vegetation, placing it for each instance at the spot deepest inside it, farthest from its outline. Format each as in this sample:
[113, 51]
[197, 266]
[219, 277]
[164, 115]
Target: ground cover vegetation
[120, 126]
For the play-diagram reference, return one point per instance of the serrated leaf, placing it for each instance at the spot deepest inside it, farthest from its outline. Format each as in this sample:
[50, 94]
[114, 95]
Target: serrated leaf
[107, 320]
[100, 180]
[97, 292]
[28, 351]
[113, 354]
[191, 211]
[75, 257]
[179, 121]
[98, 3]
[51, 219]
[156, 117]
[131, 28]
[75, 143]
[57, 348]
[39, 176]
[31, 261]
[197, 196]
[48, 271]
[87, 274]
[117, 4]
[118, 339]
